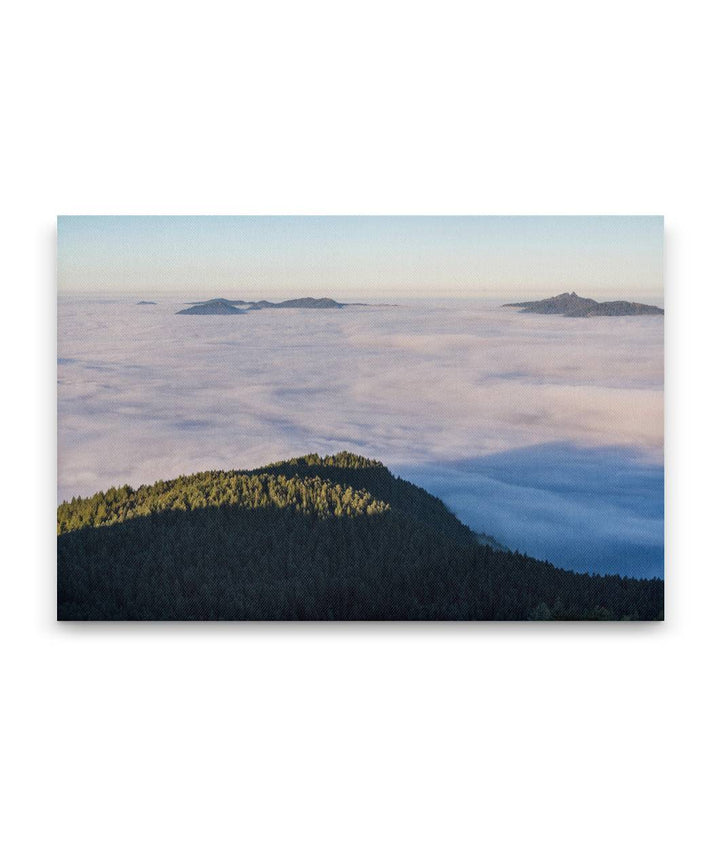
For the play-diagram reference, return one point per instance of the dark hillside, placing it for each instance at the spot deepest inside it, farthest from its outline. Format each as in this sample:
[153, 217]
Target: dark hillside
[337, 538]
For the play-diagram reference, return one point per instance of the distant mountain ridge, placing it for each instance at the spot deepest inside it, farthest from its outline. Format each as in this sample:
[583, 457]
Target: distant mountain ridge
[572, 305]
[221, 306]
[217, 306]
[312, 538]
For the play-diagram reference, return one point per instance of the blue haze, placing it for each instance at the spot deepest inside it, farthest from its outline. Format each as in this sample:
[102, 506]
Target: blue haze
[587, 509]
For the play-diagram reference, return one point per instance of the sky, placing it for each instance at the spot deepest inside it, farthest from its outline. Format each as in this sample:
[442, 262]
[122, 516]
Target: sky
[601, 257]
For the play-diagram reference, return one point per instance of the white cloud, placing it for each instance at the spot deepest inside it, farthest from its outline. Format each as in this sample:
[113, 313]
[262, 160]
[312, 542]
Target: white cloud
[145, 394]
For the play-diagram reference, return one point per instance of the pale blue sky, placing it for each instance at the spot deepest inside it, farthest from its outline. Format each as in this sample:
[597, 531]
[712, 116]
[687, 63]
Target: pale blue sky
[358, 256]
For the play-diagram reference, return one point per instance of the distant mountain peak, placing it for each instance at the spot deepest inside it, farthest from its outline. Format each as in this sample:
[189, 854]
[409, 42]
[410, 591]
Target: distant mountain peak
[571, 305]
[222, 306]
[217, 306]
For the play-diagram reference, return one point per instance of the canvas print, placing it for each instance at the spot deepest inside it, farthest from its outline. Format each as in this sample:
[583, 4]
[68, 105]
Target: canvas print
[360, 418]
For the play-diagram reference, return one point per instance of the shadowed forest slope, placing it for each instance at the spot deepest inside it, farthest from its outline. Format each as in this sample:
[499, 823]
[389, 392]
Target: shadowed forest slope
[332, 538]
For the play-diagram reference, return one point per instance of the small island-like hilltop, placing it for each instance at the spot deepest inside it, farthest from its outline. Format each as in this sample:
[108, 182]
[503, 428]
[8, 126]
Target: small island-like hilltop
[573, 306]
[221, 306]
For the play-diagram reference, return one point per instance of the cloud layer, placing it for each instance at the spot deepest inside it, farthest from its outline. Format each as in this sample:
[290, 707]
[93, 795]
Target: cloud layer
[145, 394]
[589, 509]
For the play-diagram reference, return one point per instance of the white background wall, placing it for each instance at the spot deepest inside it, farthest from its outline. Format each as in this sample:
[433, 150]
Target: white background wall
[359, 739]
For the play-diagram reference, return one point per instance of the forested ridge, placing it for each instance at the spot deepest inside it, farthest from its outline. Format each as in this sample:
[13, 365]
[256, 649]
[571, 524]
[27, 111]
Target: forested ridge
[328, 538]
